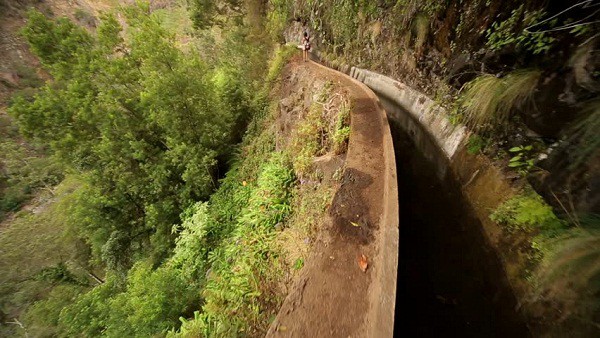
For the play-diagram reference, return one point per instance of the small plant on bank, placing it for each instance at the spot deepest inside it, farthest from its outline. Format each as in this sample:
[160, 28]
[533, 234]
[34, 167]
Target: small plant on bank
[325, 128]
[342, 129]
[306, 142]
[298, 264]
[527, 212]
[522, 159]
[476, 144]
[569, 271]
[420, 30]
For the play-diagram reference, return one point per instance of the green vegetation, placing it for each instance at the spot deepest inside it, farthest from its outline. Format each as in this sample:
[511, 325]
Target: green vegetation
[180, 214]
[245, 271]
[38, 256]
[307, 141]
[149, 303]
[341, 134]
[476, 144]
[256, 201]
[145, 124]
[562, 264]
[513, 32]
[521, 160]
[325, 128]
[570, 271]
[527, 212]
[489, 101]
[148, 126]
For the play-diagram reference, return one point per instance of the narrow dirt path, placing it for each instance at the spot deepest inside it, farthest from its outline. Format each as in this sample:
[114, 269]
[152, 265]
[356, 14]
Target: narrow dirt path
[333, 296]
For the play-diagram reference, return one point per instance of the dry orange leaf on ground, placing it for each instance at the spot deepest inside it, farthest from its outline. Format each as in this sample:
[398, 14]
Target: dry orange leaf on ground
[362, 263]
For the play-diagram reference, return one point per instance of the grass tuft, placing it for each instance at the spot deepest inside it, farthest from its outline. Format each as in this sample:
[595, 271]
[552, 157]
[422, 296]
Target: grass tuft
[488, 101]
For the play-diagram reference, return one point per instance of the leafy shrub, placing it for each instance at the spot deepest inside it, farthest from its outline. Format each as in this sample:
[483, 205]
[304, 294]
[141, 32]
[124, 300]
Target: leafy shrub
[59, 274]
[155, 149]
[476, 144]
[191, 247]
[570, 273]
[89, 314]
[149, 304]
[42, 318]
[512, 32]
[527, 213]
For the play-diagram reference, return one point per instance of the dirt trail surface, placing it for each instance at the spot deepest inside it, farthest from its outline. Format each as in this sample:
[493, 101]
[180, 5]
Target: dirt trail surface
[333, 296]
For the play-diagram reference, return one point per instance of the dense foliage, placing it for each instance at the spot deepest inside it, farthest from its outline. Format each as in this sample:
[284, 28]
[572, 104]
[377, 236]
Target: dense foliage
[141, 118]
[146, 126]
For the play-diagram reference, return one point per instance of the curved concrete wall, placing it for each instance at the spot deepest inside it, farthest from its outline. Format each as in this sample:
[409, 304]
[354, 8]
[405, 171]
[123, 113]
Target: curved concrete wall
[484, 185]
[382, 296]
[425, 120]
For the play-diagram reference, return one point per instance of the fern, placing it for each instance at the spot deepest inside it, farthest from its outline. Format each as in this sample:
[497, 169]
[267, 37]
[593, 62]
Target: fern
[244, 270]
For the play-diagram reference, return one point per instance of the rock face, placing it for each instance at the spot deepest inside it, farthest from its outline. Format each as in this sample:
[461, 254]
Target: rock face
[439, 47]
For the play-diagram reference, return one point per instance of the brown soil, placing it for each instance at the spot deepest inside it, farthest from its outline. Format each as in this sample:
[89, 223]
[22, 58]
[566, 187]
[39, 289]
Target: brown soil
[331, 296]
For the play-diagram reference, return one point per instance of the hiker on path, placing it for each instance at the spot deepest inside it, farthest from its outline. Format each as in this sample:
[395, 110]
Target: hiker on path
[305, 46]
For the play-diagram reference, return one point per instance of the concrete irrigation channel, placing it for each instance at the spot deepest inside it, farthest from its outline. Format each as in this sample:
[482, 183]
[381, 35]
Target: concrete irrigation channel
[435, 268]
